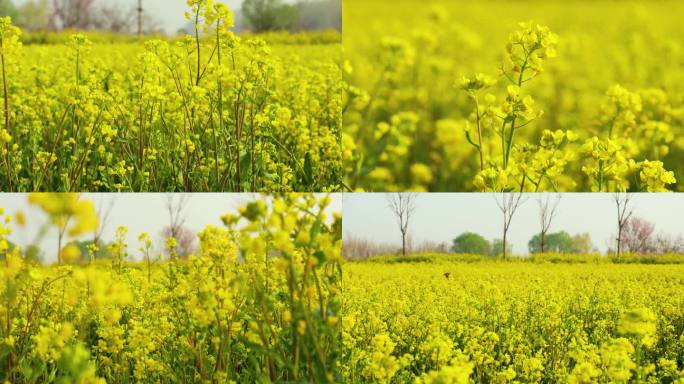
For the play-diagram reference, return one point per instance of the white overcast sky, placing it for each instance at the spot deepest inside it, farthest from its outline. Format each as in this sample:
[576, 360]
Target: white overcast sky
[440, 217]
[168, 12]
[139, 212]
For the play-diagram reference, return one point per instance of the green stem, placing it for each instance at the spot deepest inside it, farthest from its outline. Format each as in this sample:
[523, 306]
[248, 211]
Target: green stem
[509, 145]
[7, 117]
[197, 42]
[479, 132]
[220, 107]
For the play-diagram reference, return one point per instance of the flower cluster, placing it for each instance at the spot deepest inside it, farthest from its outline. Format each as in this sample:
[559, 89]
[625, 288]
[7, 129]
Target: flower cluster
[67, 211]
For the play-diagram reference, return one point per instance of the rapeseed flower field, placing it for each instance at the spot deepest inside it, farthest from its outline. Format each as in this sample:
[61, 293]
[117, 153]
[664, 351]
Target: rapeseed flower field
[469, 319]
[210, 111]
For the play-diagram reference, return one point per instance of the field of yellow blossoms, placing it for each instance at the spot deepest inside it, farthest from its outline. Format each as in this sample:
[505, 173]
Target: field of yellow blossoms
[523, 95]
[432, 319]
[258, 303]
[210, 111]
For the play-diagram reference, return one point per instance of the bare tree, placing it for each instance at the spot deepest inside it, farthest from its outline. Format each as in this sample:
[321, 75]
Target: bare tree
[109, 16]
[431, 247]
[176, 205]
[637, 236]
[508, 203]
[72, 14]
[547, 212]
[354, 248]
[665, 244]
[624, 212]
[185, 240]
[402, 205]
[103, 212]
[113, 18]
[140, 18]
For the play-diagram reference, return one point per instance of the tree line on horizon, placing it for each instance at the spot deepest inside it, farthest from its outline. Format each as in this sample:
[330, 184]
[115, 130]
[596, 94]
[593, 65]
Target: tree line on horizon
[557, 242]
[89, 15]
[634, 235]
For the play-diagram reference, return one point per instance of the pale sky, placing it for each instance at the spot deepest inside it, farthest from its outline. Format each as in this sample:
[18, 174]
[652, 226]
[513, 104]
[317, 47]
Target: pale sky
[440, 217]
[139, 212]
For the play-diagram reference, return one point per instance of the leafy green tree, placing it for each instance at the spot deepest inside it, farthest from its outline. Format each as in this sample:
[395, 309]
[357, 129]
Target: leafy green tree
[34, 253]
[582, 244]
[34, 15]
[83, 246]
[471, 243]
[7, 8]
[560, 242]
[269, 15]
[10, 247]
[497, 248]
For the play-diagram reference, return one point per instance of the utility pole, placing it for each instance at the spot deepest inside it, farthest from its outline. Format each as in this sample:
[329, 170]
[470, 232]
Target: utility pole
[140, 18]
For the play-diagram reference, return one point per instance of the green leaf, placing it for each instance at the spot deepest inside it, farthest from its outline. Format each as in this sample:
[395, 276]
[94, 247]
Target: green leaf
[245, 165]
[308, 170]
[321, 257]
[471, 141]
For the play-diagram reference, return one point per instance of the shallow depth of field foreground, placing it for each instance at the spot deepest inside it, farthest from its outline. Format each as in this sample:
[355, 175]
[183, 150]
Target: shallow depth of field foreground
[436, 319]
[258, 302]
[529, 95]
